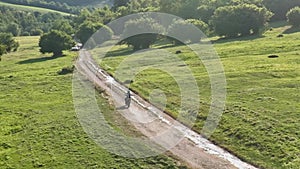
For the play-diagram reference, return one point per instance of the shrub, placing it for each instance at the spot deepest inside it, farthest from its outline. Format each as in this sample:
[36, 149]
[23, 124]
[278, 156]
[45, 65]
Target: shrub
[2, 50]
[293, 16]
[6, 40]
[66, 70]
[7, 43]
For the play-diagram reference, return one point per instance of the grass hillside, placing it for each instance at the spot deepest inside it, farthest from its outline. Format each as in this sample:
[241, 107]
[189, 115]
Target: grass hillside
[261, 120]
[67, 2]
[31, 8]
[63, 6]
[83, 2]
[39, 128]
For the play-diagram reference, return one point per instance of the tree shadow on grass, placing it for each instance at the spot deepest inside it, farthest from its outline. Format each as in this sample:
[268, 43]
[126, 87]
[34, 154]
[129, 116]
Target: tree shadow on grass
[277, 24]
[120, 52]
[129, 50]
[291, 30]
[170, 45]
[243, 38]
[37, 60]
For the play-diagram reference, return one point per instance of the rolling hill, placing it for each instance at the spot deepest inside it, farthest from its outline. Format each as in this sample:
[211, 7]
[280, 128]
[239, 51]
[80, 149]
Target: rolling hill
[261, 120]
[39, 127]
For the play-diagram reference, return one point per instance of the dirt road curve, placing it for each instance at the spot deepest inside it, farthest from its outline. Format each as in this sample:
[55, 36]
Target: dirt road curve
[193, 149]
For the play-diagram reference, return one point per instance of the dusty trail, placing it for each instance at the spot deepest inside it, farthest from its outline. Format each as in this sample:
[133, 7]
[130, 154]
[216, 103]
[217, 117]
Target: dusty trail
[193, 149]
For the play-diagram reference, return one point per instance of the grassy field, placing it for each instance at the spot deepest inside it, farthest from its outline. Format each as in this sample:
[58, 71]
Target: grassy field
[261, 120]
[31, 8]
[39, 128]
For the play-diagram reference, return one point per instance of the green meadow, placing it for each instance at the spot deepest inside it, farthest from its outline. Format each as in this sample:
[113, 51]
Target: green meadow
[261, 121]
[39, 127]
[31, 8]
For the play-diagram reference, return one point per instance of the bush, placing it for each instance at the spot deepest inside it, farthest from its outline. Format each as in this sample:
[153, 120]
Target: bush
[66, 70]
[134, 32]
[6, 40]
[293, 16]
[2, 50]
[240, 20]
[7, 43]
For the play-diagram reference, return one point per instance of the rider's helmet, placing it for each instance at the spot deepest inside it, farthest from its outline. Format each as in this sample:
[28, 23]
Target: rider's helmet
[128, 94]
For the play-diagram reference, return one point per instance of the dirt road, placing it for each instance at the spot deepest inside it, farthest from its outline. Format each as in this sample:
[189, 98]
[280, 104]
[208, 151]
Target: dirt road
[194, 150]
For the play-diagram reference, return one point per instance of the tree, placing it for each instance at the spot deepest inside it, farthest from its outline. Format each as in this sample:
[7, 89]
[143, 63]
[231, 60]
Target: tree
[36, 32]
[280, 7]
[189, 9]
[7, 43]
[171, 6]
[200, 25]
[123, 11]
[240, 20]
[64, 26]
[14, 29]
[205, 12]
[140, 32]
[207, 7]
[119, 3]
[184, 32]
[103, 15]
[55, 42]
[88, 28]
[6, 39]
[83, 16]
[294, 16]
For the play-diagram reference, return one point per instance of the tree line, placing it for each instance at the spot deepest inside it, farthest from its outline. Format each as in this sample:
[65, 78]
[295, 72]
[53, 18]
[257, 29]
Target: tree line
[202, 9]
[212, 14]
[25, 23]
[228, 18]
[63, 7]
[69, 6]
